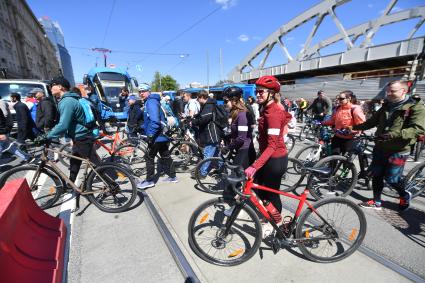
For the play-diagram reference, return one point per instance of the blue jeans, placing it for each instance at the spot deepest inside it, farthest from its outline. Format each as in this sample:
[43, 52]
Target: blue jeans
[5, 145]
[210, 150]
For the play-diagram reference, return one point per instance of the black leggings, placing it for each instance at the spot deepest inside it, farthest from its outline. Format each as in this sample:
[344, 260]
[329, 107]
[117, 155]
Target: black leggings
[270, 175]
[341, 146]
[244, 157]
[167, 161]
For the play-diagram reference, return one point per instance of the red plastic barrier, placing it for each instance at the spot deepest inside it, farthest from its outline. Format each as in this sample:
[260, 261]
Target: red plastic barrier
[32, 243]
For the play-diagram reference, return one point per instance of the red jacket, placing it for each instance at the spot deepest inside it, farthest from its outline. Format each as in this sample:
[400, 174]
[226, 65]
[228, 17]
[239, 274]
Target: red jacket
[344, 116]
[271, 126]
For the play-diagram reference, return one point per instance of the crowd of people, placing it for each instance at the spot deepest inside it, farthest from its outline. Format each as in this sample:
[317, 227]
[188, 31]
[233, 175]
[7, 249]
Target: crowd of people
[399, 119]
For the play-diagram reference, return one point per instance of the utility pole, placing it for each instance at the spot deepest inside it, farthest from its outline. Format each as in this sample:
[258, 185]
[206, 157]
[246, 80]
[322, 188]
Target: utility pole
[104, 51]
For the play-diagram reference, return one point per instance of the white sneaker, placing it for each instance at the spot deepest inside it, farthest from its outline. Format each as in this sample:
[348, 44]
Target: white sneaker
[267, 229]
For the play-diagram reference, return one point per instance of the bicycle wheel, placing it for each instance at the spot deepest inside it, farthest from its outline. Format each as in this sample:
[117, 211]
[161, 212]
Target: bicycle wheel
[333, 231]
[112, 189]
[340, 182]
[185, 156]
[293, 176]
[207, 226]
[302, 135]
[132, 156]
[214, 182]
[45, 185]
[65, 160]
[289, 143]
[309, 155]
[414, 181]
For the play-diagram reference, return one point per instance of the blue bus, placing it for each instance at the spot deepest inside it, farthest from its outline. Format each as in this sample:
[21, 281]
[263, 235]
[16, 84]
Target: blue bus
[248, 90]
[107, 84]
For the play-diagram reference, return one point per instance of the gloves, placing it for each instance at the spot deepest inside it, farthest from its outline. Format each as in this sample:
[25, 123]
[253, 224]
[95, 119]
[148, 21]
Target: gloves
[41, 139]
[250, 171]
[384, 137]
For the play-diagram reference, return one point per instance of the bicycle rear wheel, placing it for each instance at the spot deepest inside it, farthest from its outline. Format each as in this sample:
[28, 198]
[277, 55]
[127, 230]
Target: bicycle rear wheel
[340, 182]
[112, 189]
[208, 240]
[214, 181]
[289, 143]
[414, 182]
[332, 232]
[132, 156]
[45, 185]
[309, 154]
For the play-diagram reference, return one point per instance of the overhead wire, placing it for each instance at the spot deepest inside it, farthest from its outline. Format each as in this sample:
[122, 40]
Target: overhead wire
[108, 23]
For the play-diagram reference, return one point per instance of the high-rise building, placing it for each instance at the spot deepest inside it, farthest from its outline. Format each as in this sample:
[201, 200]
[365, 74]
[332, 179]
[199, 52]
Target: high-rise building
[25, 52]
[55, 35]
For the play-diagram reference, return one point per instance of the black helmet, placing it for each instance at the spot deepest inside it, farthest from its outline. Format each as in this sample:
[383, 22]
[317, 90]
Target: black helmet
[233, 92]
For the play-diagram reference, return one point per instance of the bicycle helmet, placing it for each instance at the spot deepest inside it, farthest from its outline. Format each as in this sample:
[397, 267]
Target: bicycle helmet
[233, 92]
[144, 87]
[268, 82]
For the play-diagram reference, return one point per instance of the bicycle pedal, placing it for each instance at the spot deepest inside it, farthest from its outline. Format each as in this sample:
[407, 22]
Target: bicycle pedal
[276, 244]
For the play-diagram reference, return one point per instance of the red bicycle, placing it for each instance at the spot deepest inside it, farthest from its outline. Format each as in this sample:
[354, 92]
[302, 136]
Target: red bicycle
[227, 231]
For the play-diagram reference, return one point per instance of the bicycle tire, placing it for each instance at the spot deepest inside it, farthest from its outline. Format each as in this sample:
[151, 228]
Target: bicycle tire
[185, 156]
[290, 143]
[311, 157]
[302, 135]
[133, 156]
[48, 180]
[205, 221]
[333, 185]
[293, 176]
[352, 237]
[66, 148]
[414, 183]
[215, 181]
[117, 175]
[418, 149]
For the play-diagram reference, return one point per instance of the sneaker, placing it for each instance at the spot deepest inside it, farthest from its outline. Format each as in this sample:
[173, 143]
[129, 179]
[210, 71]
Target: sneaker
[410, 158]
[170, 180]
[405, 202]
[371, 204]
[145, 184]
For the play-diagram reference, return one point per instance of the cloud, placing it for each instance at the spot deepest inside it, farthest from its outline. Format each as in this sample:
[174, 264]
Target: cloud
[226, 3]
[243, 37]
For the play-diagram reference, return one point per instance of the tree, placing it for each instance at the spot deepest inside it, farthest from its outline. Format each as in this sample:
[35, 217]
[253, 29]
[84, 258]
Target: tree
[166, 82]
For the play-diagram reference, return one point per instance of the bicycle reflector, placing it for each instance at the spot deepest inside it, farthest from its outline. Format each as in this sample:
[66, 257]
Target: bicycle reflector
[204, 218]
[236, 253]
[352, 235]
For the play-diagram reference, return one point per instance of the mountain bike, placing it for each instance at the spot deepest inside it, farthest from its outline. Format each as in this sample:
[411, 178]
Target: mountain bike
[327, 231]
[310, 130]
[109, 187]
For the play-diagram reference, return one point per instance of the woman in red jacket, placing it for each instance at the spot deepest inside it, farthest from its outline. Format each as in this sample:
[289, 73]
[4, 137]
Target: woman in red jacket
[273, 160]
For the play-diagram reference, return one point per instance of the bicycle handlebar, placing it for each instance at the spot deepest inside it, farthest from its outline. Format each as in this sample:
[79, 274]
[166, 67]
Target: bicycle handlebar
[239, 178]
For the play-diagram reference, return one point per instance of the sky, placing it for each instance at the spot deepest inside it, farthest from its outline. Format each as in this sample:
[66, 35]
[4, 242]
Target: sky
[186, 36]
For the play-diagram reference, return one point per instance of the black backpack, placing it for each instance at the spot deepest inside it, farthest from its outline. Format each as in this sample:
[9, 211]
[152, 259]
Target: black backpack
[221, 117]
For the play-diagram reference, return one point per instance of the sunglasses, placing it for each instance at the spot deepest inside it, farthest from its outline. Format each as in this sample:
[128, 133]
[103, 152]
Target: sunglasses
[341, 98]
[260, 91]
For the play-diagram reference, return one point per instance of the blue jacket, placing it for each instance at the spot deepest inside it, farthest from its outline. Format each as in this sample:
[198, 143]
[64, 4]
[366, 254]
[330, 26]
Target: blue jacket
[153, 116]
[70, 112]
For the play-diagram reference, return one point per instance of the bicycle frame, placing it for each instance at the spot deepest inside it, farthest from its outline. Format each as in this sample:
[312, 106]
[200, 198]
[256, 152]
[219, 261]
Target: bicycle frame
[116, 139]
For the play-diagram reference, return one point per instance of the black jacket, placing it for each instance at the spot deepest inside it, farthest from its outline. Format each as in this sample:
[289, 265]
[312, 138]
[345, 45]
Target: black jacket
[209, 132]
[135, 117]
[6, 122]
[23, 116]
[46, 115]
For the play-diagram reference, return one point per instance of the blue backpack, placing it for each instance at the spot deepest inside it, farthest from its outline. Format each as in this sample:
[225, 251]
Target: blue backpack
[89, 115]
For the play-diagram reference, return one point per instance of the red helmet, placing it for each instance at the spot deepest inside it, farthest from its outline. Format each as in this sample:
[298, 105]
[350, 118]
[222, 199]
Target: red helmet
[269, 82]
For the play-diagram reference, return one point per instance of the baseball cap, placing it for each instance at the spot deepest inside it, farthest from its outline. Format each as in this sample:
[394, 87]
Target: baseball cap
[36, 89]
[144, 87]
[60, 81]
[132, 97]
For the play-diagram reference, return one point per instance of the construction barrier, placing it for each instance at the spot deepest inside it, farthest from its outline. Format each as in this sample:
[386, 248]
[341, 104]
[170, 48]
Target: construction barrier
[32, 243]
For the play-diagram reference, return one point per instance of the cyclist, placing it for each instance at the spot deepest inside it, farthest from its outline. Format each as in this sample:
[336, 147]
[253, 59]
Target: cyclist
[321, 106]
[399, 123]
[157, 142]
[242, 122]
[345, 115]
[23, 117]
[273, 160]
[135, 116]
[71, 124]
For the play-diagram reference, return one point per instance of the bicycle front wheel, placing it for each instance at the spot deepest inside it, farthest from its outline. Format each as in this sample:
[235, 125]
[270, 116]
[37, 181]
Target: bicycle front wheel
[185, 156]
[111, 188]
[293, 176]
[46, 186]
[339, 182]
[332, 231]
[210, 174]
[309, 155]
[132, 156]
[289, 143]
[414, 182]
[210, 241]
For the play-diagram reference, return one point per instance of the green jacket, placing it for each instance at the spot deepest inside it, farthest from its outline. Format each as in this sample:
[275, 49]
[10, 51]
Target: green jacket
[71, 117]
[408, 123]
